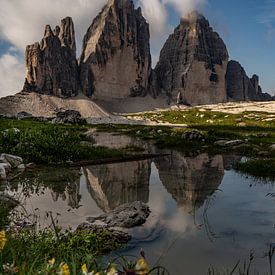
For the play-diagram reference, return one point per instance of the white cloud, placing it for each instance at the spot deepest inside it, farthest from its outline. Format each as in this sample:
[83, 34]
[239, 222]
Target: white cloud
[12, 74]
[22, 22]
[184, 6]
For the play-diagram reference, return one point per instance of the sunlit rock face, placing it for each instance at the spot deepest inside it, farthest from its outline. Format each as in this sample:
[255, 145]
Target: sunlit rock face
[190, 180]
[116, 61]
[114, 184]
[51, 65]
[192, 64]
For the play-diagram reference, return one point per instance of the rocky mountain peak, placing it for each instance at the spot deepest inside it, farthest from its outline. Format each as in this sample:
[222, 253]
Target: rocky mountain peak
[193, 63]
[116, 61]
[51, 65]
[66, 33]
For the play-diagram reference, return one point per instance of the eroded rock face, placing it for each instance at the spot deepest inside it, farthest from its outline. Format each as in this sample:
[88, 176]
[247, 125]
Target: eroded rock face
[116, 61]
[51, 64]
[115, 184]
[240, 87]
[193, 63]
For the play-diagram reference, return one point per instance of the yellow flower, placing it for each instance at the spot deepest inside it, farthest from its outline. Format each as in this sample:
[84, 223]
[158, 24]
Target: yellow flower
[51, 262]
[64, 269]
[84, 269]
[3, 240]
[112, 271]
[142, 267]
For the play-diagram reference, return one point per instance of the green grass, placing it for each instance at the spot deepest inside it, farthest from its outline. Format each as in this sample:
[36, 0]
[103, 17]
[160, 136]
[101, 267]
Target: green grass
[46, 143]
[258, 168]
[30, 251]
[256, 129]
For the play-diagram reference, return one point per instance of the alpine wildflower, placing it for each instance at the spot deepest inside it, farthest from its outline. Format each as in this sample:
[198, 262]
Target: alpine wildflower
[112, 271]
[51, 262]
[3, 240]
[64, 269]
[142, 267]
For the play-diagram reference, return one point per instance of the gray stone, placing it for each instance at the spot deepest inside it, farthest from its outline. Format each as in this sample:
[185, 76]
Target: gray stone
[69, 117]
[14, 161]
[272, 147]
[23, 115]
[3, 174]
[125, 216]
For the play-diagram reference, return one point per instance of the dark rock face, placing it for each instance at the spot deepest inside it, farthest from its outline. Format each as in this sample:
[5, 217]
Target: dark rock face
[193, 63]
[240, 87]
[116, 61]
[51, 64]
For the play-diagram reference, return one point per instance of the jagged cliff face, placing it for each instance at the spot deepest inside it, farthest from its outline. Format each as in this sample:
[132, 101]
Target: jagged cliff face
[240, 87]
[116, 60]
[114, 184]
[51, 65]
[193, 63]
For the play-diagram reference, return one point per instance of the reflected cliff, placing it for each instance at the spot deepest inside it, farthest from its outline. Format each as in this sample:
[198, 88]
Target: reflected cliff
[190, 180]
[63, 184]
[114, 184]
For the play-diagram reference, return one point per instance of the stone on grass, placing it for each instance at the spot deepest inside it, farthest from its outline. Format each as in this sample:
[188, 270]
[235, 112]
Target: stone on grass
[14, 161]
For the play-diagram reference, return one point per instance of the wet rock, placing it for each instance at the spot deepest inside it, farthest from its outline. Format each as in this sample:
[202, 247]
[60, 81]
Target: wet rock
[192, 65]
[14, 161]
[116, 234]
[116, 60]
[125, 216]
[69, 117]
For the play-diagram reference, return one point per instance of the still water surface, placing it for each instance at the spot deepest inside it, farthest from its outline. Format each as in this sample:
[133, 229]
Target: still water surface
[203, 213]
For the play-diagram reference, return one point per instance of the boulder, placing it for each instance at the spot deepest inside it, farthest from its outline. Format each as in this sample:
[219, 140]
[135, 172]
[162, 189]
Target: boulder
[14, 161]
[69, 117]
[193, 63]
[23, 115]
[3, 174]
[125, 216]
[116, 60]
[51, 65]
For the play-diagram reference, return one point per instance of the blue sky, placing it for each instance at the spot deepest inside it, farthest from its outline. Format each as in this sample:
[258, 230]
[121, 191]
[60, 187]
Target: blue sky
[247, 27]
